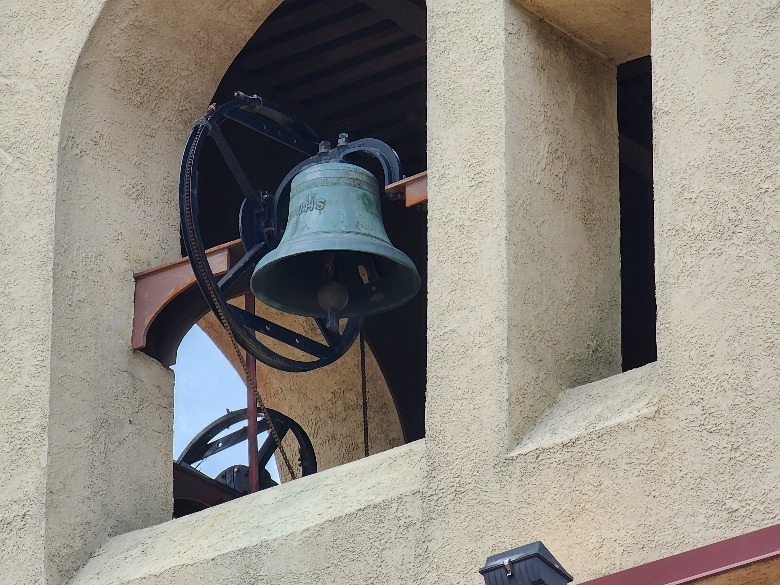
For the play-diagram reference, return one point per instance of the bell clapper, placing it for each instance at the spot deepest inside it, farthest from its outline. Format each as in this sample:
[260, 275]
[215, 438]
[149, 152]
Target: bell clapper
[332, 297]
[329, 265]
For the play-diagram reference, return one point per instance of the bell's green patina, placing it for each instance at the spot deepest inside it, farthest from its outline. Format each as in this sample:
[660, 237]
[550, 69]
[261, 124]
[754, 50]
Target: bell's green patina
[335, 234]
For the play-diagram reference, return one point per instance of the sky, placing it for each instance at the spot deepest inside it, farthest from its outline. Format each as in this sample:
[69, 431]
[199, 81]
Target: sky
[206, 386]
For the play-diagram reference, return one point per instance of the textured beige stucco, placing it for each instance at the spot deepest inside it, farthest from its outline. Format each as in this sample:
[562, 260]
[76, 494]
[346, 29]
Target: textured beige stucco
[99, 115]
[609, 474]
[686, 453]
[716, 108]
[358, 523]
[35, 70]
[144, 74]
[619, 30]
[563, 213]
[533, 307]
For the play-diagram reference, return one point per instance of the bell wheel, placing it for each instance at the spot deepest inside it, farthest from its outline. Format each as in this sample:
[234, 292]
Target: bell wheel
[257, 223]
[210, 442]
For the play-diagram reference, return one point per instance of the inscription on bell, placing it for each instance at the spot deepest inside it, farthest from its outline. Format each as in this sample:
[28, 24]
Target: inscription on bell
[333, 182]
[310, 204]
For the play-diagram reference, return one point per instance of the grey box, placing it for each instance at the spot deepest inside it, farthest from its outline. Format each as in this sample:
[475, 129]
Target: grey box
[531, 564]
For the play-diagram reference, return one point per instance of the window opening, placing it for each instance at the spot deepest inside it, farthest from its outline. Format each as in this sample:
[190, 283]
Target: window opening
[637, 248]
[206, 387]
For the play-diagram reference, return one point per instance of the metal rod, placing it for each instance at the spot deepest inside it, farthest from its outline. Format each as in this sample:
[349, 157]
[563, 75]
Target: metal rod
[364, 389]
[251, 408]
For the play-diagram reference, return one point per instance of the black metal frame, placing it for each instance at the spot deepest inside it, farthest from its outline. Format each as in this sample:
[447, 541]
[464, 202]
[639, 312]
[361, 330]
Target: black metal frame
[204, 445]
[263, 219]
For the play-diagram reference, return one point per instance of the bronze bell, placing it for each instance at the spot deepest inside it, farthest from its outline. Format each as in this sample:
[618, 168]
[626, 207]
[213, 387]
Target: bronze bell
[335, 259]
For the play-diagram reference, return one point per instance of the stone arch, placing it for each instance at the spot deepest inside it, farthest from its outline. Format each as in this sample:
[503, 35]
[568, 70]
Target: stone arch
[145, 73]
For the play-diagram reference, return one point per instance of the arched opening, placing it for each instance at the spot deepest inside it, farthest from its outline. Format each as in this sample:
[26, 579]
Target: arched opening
[206, 388]
[145, 74]
[339, 66]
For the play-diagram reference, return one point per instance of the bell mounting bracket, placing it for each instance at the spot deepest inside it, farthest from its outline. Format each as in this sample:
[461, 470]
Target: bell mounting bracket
[262, 222]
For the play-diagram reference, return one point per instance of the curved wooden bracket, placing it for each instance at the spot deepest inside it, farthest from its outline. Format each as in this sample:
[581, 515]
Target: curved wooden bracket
[168, 304]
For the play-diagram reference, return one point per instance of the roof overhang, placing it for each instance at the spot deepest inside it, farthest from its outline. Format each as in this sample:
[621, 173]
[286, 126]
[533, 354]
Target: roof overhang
[616, 29]
[752, 558]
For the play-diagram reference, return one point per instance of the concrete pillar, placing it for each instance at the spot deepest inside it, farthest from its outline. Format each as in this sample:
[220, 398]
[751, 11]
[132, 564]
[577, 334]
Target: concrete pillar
[563, 218]
[716, 92]
[716, 98]
[523, 254]
[89, 167]
[33, 83]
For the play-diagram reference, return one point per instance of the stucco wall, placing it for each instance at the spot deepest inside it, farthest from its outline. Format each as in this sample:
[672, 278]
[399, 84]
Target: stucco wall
[612, 474]
[358, 523]
[143, 75]
[563, 213]
[716, 108]
[90, 421]
[680, 453]
[533, 307]
[618, 30]
[35, 71]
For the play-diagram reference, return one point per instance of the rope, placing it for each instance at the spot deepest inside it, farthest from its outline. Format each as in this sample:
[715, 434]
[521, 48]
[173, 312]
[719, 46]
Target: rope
[200, 262]
[364, 388]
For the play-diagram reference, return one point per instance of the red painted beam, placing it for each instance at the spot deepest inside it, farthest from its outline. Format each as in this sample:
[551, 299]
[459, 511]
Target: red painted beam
[156, 287]
[701, 562]
[251, 408]
[413, 189]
